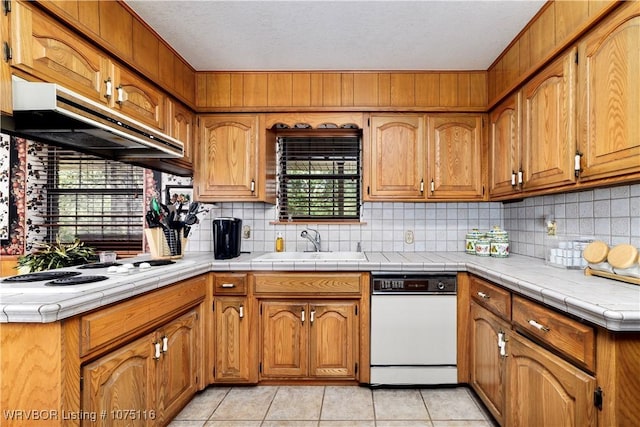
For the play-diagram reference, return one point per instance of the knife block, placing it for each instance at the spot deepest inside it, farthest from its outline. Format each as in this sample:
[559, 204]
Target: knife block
[158, 245]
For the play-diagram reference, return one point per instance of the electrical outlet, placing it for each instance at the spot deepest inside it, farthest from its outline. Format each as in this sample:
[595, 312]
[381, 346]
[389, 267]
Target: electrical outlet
[246, 232]
[408, 237]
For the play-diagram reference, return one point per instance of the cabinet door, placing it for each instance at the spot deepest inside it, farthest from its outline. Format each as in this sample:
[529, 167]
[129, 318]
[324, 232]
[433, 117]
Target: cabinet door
[333, 334]
[180, 370]
[182, 124]
[504, 148]
[455, 157]
[227, 159]
[138, 99]
[122, 380]
[51, 53]
[544, 390]
[609, 96]
[548, 125]
[284, 339]
[6, 101]
[488, 366]
[394, 158]
[233, 345]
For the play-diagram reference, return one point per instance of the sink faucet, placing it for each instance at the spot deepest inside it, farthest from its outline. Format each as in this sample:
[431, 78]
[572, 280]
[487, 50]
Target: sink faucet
[315, 239]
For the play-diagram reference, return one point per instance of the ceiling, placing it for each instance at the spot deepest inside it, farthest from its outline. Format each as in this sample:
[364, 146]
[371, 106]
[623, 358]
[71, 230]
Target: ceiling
[238, 35]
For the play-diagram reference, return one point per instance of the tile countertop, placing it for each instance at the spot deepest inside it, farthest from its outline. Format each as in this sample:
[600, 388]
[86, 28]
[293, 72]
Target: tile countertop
[608, 303]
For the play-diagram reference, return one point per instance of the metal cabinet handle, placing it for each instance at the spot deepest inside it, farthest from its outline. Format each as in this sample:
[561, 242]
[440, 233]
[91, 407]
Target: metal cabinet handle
[302, 316]
[433, 186]
[422, 185]
[241, 311]
[538, 326]
[253, 185]
[228, 285]
[513, 178]
[311, 315]
[520, 177]
[483, 295]
[156, 355]
[165, 344]
[108, 88]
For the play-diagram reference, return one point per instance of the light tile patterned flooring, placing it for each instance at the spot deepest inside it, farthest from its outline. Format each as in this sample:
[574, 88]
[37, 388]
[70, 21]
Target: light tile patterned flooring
[332, 406]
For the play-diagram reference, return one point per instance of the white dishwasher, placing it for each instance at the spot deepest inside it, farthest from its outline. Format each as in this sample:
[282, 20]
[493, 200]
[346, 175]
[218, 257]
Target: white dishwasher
[413, 329]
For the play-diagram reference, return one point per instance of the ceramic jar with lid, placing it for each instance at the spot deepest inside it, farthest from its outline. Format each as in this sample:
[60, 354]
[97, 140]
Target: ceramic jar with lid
[499, 242]
[483, 247]
[471, 239]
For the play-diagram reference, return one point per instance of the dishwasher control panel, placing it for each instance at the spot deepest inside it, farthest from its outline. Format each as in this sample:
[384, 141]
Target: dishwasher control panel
[403, 283]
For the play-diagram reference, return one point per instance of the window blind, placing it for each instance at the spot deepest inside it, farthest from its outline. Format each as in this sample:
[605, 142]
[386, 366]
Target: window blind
[319, 177]
[95, 200]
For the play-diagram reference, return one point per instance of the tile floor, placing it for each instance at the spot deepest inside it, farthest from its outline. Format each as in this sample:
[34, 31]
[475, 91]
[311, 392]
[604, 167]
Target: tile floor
[332, 406]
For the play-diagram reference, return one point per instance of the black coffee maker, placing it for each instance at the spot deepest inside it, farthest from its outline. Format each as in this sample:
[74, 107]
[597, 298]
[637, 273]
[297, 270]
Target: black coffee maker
[227, 233]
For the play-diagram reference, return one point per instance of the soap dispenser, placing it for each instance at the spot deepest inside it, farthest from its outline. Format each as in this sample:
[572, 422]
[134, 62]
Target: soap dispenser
[279, 243]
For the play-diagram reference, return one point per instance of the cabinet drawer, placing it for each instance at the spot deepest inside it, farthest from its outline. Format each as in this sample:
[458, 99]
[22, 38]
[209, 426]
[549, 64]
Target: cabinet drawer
[230, 284]
[308, 283]
[493, 298]
[113, 324]
[572, 338]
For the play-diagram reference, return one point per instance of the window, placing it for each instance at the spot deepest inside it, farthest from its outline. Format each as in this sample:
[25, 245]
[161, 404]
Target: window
[319, 175]
[98, 201]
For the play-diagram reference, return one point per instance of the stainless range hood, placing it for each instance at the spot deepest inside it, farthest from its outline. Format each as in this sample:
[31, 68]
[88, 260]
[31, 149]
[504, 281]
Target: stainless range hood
[47, 112]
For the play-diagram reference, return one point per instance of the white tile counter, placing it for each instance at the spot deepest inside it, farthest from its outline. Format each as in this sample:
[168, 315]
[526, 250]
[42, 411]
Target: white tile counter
[611, 304]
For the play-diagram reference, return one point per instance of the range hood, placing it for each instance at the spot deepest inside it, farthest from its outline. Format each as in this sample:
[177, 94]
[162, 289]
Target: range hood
[50, 113]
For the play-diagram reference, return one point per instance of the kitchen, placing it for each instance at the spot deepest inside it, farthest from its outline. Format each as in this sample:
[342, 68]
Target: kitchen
[609, 213]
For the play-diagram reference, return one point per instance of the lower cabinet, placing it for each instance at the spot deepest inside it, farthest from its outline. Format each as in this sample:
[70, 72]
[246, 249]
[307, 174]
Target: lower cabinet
[234, 349]
[309, 339]
[488, 365]
[147, 381]
[544, 390]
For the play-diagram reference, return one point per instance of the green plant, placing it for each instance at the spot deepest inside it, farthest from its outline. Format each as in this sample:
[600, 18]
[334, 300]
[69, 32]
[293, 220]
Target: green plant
[48, 256]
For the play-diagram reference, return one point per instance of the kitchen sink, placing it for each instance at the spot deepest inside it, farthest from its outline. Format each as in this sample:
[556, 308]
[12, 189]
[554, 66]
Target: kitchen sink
[312, 256]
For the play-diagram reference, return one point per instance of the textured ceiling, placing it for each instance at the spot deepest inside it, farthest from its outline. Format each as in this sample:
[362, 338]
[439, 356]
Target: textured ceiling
[240, 35]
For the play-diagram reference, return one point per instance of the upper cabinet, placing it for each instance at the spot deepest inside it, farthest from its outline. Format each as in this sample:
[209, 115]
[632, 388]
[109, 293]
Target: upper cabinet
[51, 53]
[6, 105]
[138, 99]
[504, 147]
[182, 126]
[456, 157]
[232, 159]
[609, 96]
[548, 126]
[394, 158]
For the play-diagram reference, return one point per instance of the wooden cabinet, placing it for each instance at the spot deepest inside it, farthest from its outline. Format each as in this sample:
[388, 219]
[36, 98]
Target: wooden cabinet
[6, 101]
[504, 147]
[235, 349]
[309, 339]
[394, 158]
[233, 162]
[487, 364]
[608, 94]
[181, 124]
[455, 157]
[149, 380]
[548, 126]
[544, 390]
[47, 51]
[136, 98]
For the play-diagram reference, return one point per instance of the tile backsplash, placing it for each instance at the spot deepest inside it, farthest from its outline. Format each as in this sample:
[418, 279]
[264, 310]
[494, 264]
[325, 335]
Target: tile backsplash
[610, 214]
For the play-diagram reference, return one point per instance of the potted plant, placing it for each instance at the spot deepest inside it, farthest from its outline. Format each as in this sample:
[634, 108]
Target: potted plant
[48, 256]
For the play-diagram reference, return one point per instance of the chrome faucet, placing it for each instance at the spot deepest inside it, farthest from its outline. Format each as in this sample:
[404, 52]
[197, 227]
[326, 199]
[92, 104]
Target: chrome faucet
[315, 239]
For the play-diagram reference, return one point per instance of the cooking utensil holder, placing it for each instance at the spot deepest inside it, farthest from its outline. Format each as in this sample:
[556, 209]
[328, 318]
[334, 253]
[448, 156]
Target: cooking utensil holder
[160, 246]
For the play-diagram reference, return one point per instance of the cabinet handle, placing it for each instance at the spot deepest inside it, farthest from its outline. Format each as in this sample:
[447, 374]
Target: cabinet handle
[120, 94]
[311, 315]
[576, 164]
[538, 326]
[6, 6]
[253, 186]
[241, 311]
[513, 178]
[483, 295]
[165, 344]
[7, 53]
[520, 177]
[500, 339]
[302, 316]
[503, 348]
[156, 355]
[422, 185]
[108, 88]
[228, 285]
[433, 186]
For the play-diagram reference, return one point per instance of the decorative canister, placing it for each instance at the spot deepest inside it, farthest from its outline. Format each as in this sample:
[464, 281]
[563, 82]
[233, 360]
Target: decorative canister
[499, 242]
[483, 247]
[471, 239]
